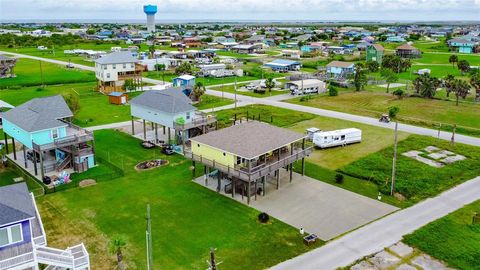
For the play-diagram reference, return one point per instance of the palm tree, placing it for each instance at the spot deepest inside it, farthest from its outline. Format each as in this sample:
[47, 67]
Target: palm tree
[461, 89]
[475, 83]
[360, 77]
[198, 91]
[116, 247]
[269, 84]
[426, 86]
[448, 82]
[453, 59]
[464, 66]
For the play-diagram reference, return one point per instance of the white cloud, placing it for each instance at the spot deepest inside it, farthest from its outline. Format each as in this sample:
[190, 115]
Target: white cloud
[245, 9]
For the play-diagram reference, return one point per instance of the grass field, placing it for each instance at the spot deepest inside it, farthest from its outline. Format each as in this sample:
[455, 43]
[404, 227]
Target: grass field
[241, 90]
[29, 73]
[95, 108]
[208, 102]
[187, 219]
[453, 239]
[416, 180]
[413, 110]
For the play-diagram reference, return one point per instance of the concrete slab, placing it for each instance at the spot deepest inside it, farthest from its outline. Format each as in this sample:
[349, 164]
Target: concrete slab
[428, 263]
[406, 267]
[401, 249]
[392, 85]
[319, 208]
[384, 260]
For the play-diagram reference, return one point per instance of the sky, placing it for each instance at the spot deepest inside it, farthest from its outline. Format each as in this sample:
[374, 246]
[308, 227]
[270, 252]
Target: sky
[243, 10]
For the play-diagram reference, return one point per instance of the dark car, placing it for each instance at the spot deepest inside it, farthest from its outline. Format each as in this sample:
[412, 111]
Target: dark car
[168, 149]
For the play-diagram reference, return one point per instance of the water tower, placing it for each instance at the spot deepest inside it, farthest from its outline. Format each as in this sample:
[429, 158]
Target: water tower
[150, 10]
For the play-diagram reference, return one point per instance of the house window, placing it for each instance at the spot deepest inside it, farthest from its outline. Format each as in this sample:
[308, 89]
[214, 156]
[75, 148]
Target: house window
[11, 235]
[132, 65]
[108, 75]
[54, 133]
[114, 66]
[105, 67]
[343, 137]
[124, 65]
[188, 115]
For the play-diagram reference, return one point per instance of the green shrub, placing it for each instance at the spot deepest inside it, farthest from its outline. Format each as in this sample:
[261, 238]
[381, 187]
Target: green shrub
[399, 93]
[393, 111]
[339, 178]
[332, 91]
[263, 217]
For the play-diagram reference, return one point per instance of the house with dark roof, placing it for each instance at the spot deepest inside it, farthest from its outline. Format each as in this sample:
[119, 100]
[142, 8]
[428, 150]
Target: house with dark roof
[408, 51]
[246, 154]
[375, 53]
[169, 109]
[23, 243]
[113, 69]
[50, 142]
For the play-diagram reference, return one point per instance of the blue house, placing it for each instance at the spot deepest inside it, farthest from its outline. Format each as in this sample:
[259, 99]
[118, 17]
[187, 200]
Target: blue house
[184, 81]
[395, 39]
[23, 243]
[171, 109]
[282, 65]
[462, 45]
[42, 126]
[339, 69]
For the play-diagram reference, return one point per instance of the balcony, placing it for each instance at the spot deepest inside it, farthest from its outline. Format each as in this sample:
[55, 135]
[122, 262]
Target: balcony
[258, 171]
[199, 119]
[75, 135]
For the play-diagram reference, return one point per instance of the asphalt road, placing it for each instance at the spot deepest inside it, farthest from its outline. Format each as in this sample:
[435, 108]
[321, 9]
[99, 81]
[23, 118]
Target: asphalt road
[384, 232]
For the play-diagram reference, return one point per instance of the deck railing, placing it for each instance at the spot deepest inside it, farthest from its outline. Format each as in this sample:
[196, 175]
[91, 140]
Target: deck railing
[81, 136]
[13, 262]
[257, 172]
[199, 119]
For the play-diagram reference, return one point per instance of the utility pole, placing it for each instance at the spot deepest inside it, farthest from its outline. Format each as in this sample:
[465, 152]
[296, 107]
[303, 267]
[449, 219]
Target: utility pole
[453, 133]
[149, 240]
[394, 159]
[235, 91]
[213, 263]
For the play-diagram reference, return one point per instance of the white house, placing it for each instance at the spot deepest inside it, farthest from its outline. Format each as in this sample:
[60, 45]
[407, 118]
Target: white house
[114, 68]
[294, 54]
[306, 86]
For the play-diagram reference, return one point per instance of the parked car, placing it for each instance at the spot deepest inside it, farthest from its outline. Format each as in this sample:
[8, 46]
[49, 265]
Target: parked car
[167, 149]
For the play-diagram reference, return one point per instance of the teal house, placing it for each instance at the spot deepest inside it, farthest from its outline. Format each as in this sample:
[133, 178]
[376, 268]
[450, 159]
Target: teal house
[50, 142]
[462, 45]
[375, 53]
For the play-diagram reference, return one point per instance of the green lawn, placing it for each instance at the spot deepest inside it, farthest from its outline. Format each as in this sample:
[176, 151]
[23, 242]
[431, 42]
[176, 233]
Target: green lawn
[241, 90]
[208, 102]
[453, 239]
[413, 110]
[95, 109]
[416, 180]
[29, 73]
[187, 219]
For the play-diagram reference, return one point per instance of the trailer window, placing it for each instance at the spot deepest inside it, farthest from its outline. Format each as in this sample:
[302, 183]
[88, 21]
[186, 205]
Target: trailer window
[343, 137]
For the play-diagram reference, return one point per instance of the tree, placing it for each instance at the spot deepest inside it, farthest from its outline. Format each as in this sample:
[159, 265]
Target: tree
[453, 59]
[73, 102]
[475, 83]
[389, 76]
[373, 66]
[151, 50]
[332, 91]
[128, 85]
[463, 66]
[161, 67]
[448, 82]
[393, 111]
[116, 247]
[461, 89]
[270, 84]
[360, 77]
[395, 63]
[198, 91]
[426, 86]
[184, 68]
[399, 93]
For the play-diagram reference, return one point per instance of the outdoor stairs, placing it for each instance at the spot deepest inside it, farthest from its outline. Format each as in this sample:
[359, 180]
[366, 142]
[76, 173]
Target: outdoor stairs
[61, 164]
[74, 258]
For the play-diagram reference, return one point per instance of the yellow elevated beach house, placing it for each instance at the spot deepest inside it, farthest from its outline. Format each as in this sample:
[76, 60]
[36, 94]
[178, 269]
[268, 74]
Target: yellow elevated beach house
[244, 155]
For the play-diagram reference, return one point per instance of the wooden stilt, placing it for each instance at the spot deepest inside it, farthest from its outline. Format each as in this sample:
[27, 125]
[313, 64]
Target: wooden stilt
[42, 169]
[133, 127]
[264, 180]
[303, 159]
[193, 169]
[6, 142]
[156, 133]
[163, 130]
[35, 162]
[144, 130]
[278, 178]
[13, 149]
[25, 156]
[219, 184]
[291, 172]
[169, 135]
[248, 193]
[256, 189]
[233, 187]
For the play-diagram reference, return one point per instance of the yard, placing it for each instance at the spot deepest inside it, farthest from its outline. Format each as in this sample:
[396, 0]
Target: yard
[32, 72]
[241, 90]
[453, 239]
[95, 108]
[187, 219]
[418, 111]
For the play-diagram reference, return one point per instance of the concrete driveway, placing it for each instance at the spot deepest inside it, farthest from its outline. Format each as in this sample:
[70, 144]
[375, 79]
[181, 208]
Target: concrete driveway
[319, 208]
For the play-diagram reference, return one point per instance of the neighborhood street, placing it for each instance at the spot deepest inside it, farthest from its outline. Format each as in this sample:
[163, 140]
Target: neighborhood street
[384, 232]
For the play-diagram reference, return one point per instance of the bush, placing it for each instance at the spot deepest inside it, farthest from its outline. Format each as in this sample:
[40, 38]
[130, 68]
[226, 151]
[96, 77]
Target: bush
[39, 89]
[305, 98]
[339, 178]
[263, 217]
[393, 111]
[399, 93]
[332, 91]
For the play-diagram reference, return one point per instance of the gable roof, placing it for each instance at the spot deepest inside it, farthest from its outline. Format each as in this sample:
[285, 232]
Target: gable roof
[282, 62]
[185, 77]
[16, 204]
[378, 47]
[170, 100]
[249, 139]
[340, 64]
[39, 114]
[407, 47]
[117, 58]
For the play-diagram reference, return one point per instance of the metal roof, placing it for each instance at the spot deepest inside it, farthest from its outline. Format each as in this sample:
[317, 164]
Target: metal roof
[170, 100]
[16, 204]
[117, 58]
[39, 114]
[282, 62]
[249, 139]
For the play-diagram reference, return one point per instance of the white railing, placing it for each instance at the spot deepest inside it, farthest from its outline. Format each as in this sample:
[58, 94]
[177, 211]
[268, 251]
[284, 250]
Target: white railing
[53, 256]
[40, 241]
[17, 261]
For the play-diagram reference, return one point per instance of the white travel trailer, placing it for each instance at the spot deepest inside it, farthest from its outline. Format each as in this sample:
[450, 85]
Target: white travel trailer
[339, 137]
